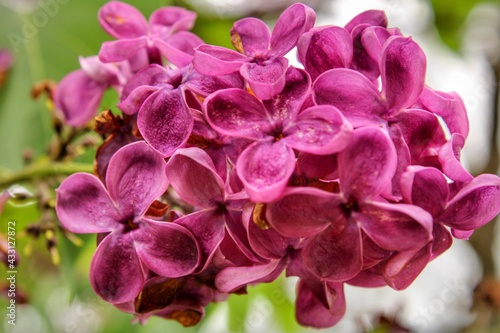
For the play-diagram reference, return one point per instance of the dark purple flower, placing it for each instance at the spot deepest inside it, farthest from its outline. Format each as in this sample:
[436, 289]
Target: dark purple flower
[135, 178]
[260, 57]
[143, 42]
[336, 223]
[217, 212]
[158, 95]
[277, 126]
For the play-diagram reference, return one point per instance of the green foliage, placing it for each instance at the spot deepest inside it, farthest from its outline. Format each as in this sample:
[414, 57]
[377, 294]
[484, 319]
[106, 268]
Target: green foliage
[450, 17]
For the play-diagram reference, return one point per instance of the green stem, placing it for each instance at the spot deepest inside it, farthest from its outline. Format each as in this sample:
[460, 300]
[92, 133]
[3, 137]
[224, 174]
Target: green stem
[44, 170]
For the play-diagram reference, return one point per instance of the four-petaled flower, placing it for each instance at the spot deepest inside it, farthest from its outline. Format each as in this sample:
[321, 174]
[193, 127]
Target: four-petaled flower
[133, 242]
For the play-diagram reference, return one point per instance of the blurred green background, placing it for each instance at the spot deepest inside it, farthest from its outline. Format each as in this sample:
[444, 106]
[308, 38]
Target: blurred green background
[60, 297]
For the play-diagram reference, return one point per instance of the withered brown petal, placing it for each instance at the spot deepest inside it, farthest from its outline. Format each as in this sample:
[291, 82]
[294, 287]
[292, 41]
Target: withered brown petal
[157, 294]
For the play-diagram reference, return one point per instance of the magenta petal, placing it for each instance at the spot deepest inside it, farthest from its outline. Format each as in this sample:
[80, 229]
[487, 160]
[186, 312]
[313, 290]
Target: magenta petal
[284, 107]
[115, 271]
[133, 102]
[208, 229]
[235, 112]
[373, 40]
[450, 107]
[250, 36]
[216, 60]
[319, 130]
[303, 212]
[397, 227]
[325, 48]
[78, 97]
[179, 48]
[264, 168]
[370, 149]
[166, 248]
[267, 80]
[474, 205]
[335, 256]
[404, 267]
[165, 121]
[84, 206]
[233, 278]
[342, 88]
[442, 240]
[205, 85]
[206, 189]
[319, 305]
[403, 69]
[122, 20]
[122, 49]
[292, 23]
[175, 18]
[151, 75]
[372, 17]
[425, 187]
[135, 178]
[268, 243]
[449, 157]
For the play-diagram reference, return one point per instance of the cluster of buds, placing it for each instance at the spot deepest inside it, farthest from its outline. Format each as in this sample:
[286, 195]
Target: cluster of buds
[227, 168]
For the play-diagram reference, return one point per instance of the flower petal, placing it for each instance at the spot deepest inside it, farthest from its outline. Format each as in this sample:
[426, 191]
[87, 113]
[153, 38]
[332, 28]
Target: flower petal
[284, 107]
[78, 97]
[425, 187]
[208, 229]
[372, 17]
[325, 48]
[84, 206]
[233, 278]
[165, 121]
[450, 107]
[343, 89]
[335, 256]
[115, 271]
[319, 130]
[135, 178]
[122, 20]
[266, 80]
[168, 249]
[264, 168]
[122, 49]
[178, 48]
[403, 68]
[474, 205]
[235, 112]
[292, 23]
[175, 18]
[250, 36]
[404, 267]
[304, 212]
[319, 305]
[368, 163]
[206, 190]
[396, 227]
[449, 157]
[216, 60]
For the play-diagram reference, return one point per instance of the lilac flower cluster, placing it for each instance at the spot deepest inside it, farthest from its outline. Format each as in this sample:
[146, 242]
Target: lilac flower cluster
[229, 167]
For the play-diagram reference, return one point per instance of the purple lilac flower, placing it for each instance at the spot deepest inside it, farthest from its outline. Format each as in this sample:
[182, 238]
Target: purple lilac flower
[79, 93]
[277, 126]
[338, 222]
[143, 42]
[158, 95]
[132, 242]
[260, 57]
[217, 212]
